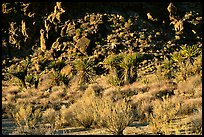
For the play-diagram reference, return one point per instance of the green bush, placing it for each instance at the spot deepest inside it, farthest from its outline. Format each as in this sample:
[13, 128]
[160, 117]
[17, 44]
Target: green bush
[122, 67]
[85, 72]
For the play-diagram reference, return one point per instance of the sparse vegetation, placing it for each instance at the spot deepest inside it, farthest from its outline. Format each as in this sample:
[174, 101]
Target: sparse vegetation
[115, 116]
[105, 67]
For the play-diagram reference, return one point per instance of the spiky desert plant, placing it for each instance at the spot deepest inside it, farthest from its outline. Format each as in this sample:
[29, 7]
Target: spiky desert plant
[111, 63]
[85, 72]
[60, 78]
[167, 68]
[127, 64]
[189, 52]
[20, 72]
[56, 64]
[121, 66]
[185, 59]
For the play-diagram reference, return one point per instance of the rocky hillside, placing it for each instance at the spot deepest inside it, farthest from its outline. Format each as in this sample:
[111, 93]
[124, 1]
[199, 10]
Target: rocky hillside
[62, 32]
[48, 47]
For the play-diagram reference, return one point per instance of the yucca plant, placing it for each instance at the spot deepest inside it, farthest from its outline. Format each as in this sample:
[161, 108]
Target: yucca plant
[57, 65]
[60, 78]
[112, 64]
[85, 71]
[189, 52]
[121, 66]
[20, 72]
[184, 59]
[112, 61]
[127, 64]
[168, 68]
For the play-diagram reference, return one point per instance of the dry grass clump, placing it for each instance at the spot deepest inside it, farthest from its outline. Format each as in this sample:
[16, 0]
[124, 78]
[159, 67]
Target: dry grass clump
[196, 122]
[102, 81]
[128, 91]
[67, 117]
[27, 119]
[96, 88]
[189, 106]
[10, 97]
[83, 109]
[137, 86]
[5, 109]
[160, 90]
[191, 86]
[11, 90]
[44, 102]
[161, 119]
[24, 94]
[115, 116]
[57, 94]
[22, 101]
[49, 116]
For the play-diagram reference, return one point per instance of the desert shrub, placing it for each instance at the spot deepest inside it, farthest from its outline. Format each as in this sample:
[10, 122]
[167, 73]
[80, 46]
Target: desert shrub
[49, 116]
[142, 109]
[83, 110]
[67, 117]
[193, 88]
[164, 112]
[26, 118]
[196, 122]
[57, 93]
[189, 106]
[115, 116]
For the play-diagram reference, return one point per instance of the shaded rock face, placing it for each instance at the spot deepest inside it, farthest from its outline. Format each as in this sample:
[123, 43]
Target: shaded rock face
[66, 70]
[82, 45]
[113, 28]
[157, 10]
[45, 82]
[32, 17]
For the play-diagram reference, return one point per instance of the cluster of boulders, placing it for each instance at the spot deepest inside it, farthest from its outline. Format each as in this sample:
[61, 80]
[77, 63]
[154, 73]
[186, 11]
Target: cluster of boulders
[54, 39]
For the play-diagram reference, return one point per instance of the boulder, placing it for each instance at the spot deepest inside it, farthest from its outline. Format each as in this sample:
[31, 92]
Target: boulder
[66, 70]
[83, 44]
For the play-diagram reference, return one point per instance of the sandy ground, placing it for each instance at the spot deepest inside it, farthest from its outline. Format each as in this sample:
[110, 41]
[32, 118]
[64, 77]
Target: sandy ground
[133, 129]
[8, 126]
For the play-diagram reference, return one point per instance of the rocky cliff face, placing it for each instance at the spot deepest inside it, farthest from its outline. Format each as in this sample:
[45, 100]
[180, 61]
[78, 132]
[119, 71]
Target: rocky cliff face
[67, 31]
